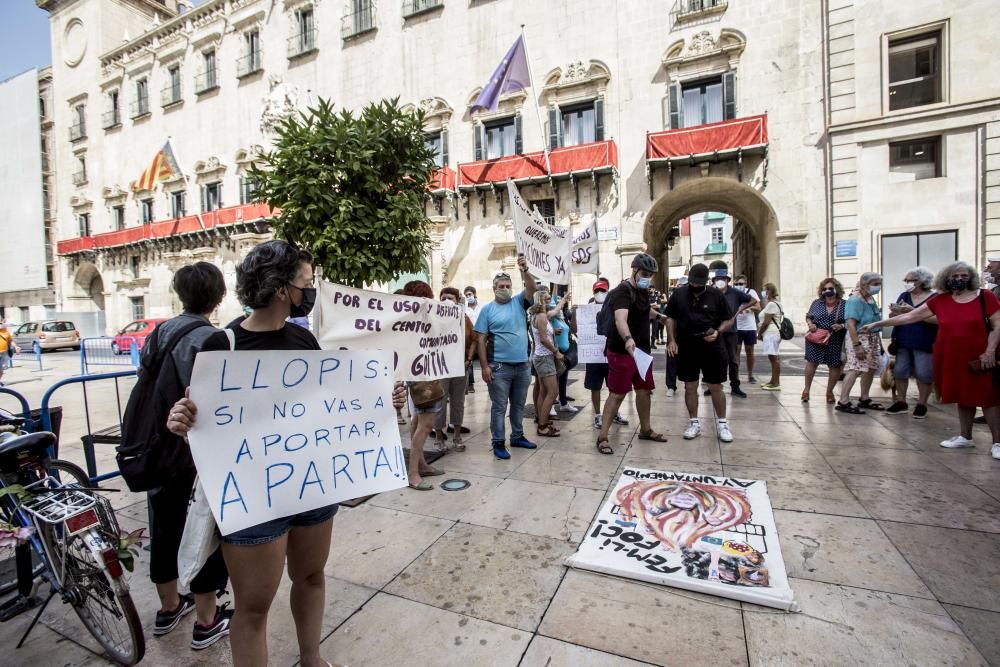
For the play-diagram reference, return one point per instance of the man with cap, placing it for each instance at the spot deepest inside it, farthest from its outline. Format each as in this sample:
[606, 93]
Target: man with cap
[738, 301]
[596, 375]
[698, 314]
[991, 274]
[629, 302]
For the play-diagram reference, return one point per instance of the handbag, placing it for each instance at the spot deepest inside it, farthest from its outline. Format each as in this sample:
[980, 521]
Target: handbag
[819, 337]
[200, 538]
[426, 394]
[571, 357]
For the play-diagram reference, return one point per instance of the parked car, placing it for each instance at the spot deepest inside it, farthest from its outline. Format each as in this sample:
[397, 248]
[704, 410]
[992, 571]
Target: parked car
[50, 334]
[137, 331]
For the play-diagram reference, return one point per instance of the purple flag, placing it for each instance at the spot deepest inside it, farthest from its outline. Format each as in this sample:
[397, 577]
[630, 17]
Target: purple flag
[510, 75]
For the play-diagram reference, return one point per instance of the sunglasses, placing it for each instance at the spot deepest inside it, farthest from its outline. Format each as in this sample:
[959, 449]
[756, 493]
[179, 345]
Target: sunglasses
[741, 284]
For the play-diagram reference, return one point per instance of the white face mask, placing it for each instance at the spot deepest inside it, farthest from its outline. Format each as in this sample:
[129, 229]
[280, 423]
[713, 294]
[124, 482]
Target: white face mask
[763, 294]
[600, 297]
[721, 284]
[470, 300]
[909, 285]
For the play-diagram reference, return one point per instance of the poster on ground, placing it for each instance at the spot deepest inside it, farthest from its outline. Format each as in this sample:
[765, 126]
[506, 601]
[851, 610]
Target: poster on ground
[283, 432]
[426, 336]
[589, 344]
[545, 246]
[704, 533]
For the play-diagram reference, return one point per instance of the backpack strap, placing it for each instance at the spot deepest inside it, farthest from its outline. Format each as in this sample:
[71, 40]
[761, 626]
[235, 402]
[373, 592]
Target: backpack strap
[157, 358]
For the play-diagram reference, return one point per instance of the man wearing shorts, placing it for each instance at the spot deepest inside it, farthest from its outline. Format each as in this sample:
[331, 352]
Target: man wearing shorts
[739, 302]
[596, 375]
[746, 327]
[630, 331]
[698, 315]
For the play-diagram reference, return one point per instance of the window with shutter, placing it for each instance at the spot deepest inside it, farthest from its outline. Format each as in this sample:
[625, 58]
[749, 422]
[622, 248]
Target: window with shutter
[675, 111]
[518, 139]
[477, 141]
[555, 122]
[599, 120]
[729, 94]
[444, 148]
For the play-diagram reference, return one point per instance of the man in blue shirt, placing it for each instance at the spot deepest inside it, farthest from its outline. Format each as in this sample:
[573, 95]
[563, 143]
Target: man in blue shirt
[502, 329]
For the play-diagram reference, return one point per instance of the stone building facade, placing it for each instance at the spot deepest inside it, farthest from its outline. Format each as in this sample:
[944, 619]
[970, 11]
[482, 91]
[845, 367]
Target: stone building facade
[652, 111]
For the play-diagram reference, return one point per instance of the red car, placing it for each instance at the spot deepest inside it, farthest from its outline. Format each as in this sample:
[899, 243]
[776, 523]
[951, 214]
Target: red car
[134, 331]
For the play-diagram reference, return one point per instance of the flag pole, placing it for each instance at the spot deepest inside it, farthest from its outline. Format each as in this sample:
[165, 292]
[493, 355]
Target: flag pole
[538, 112]
[184, 176]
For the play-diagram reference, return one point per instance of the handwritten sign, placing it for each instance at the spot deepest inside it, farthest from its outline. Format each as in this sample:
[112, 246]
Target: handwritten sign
[704, 533]
[545, 246]
[283, 432]
[590, 344]
[427, 336]
[583, 255]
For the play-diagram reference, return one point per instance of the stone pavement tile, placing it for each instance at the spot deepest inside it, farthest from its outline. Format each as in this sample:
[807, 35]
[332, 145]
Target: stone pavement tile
[981, 470]
[894, 463]
[645, 622]
[817, 411]
[846, 551]
[777, 432]
[585, 441]
[669, 465]
[981, 629]
[784, 456]
[823, 493]
[848, 626]
[490, 574]
[591, 471]
[862, 435]
[478, 459]
[371, 545]
[390, 630]
[704, 449]
[546, 652]
[45, 646]
[945, 504]
[959, 566]
[438, 503]
[546, 510]
[928, 438]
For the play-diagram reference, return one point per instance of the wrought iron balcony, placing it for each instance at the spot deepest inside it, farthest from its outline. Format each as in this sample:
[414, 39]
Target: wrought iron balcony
[205, 82]
[716, 248]
[139, 108]
[359, 21]
[79, 178]
[413, 8]
[248, 64]
[111, 119]
[301, 43]
[170, 94]
[77, 131]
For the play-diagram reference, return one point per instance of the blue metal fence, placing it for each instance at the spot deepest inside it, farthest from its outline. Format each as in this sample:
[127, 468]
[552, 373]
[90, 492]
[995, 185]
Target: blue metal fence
[109, 351]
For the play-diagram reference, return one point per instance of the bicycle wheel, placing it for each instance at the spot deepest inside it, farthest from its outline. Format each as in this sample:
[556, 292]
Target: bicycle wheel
[100, 597]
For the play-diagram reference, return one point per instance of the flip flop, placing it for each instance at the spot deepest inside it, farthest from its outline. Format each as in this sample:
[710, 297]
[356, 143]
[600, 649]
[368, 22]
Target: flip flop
[605, 448]
[423, 486]
[653, 435]
[434, 472]
[548, 431]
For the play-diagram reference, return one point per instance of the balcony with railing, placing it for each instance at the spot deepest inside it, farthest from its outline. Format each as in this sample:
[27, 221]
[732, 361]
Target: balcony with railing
[688, 10]
[725, 139]
[443, 178]
[77, 131]
[111, 119]
[716, 248]
[139, 108]
[359, 21]
[79, 178]
[302, 43]
[170, 94]
[412, 8]
[249, 63]
[599, 157]
[205, 81]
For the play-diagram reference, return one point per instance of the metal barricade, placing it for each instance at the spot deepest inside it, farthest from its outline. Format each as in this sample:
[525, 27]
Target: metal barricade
[29, 424]
[108, 435]
[109, 351]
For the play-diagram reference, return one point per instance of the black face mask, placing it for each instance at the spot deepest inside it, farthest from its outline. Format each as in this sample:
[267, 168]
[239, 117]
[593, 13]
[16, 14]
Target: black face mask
[958, 284]
[308, 301]
[698, 290]
[829, 292]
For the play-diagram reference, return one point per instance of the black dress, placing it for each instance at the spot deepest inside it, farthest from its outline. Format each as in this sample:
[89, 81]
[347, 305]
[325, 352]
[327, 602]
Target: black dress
[829, 354]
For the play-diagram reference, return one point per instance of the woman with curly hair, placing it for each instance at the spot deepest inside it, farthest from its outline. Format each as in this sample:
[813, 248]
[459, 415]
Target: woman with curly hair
[825, 338]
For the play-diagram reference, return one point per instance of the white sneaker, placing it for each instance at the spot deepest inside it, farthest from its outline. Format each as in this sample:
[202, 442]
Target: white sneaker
[995, 452]
[598, 422]
[552, 412]
[957, 442]
[671, 393]
[572, 409]
[725, 435]
[693, 430]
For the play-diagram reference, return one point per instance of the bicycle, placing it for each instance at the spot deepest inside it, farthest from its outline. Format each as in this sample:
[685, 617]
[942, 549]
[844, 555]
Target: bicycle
[73, 546]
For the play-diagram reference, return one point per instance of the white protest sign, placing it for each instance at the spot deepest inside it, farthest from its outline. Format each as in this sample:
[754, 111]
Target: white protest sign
[704, 533]
[590, 345]
[545, 246]
[583, 250]
[642, 361]
[427, 336]
[283, 432]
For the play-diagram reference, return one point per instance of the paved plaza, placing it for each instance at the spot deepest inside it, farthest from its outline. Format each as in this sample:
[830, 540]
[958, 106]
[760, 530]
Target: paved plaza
[890, 543]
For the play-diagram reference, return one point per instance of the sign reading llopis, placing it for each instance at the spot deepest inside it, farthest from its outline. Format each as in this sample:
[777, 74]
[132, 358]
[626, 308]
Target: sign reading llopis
[703, 533]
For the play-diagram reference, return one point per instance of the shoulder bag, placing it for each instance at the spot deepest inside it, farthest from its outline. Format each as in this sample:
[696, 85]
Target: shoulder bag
[820, 336]
[426, 394]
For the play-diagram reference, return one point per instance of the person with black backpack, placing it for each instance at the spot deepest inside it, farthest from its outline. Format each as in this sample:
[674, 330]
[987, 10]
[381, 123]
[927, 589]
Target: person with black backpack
[774, 327]
[156, 461]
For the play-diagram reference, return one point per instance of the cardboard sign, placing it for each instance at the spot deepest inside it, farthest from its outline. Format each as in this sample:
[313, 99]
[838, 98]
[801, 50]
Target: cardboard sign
[704, 533]
[283, 432]
[545, 246]
[583, 255]
[426, 336]
[590, 344]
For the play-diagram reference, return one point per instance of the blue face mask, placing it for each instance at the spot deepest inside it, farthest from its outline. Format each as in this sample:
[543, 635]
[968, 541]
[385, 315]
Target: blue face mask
[643, 283]
[874, 289]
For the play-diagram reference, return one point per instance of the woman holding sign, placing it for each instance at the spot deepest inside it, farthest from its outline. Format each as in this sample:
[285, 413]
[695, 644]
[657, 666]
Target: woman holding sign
[276, 281]
[546, 360]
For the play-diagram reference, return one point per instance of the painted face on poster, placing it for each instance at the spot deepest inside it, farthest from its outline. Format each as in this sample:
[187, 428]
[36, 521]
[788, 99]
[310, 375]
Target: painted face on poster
[546, 247]
[283, 432]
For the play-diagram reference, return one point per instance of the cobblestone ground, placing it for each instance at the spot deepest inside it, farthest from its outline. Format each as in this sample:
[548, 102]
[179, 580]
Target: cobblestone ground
[890, 541]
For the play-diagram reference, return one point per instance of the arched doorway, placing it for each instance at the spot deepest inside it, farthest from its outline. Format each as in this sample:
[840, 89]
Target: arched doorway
[751, 246]
[88, 288]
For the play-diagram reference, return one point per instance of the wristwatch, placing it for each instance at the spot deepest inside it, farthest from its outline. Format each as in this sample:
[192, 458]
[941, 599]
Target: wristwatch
[627, 339]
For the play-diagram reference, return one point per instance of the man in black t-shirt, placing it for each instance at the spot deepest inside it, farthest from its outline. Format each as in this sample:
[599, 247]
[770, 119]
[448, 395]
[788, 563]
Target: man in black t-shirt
[629, 302]
[697, 316]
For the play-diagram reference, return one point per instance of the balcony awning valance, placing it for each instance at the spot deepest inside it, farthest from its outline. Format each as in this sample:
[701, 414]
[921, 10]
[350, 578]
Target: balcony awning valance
[728, 136]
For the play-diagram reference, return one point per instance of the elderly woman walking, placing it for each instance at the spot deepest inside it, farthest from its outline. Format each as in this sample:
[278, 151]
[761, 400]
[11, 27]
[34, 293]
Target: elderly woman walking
[825, 339]
[964, 350]
[864, 345]
[914, 345]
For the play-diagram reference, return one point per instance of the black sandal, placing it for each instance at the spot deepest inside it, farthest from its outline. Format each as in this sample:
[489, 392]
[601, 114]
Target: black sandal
[548, 431]
[868, 404]
[605, 448]
[849, 408]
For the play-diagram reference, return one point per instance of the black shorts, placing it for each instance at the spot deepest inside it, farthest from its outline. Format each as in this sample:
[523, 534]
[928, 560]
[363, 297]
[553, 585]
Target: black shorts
[595, 376]
[708, 361]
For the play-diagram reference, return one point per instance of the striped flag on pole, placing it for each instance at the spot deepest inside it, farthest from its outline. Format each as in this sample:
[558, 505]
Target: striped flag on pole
[163, 167]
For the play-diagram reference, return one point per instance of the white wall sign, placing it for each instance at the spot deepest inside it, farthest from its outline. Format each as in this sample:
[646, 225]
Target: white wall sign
[545, 246]
[283, 432]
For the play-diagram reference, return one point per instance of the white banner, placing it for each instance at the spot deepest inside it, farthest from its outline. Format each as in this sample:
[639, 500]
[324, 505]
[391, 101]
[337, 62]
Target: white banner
[590, 345]
[709, 534]
[545, 246]
[283, 432]
[427, 336]
[583, 250]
